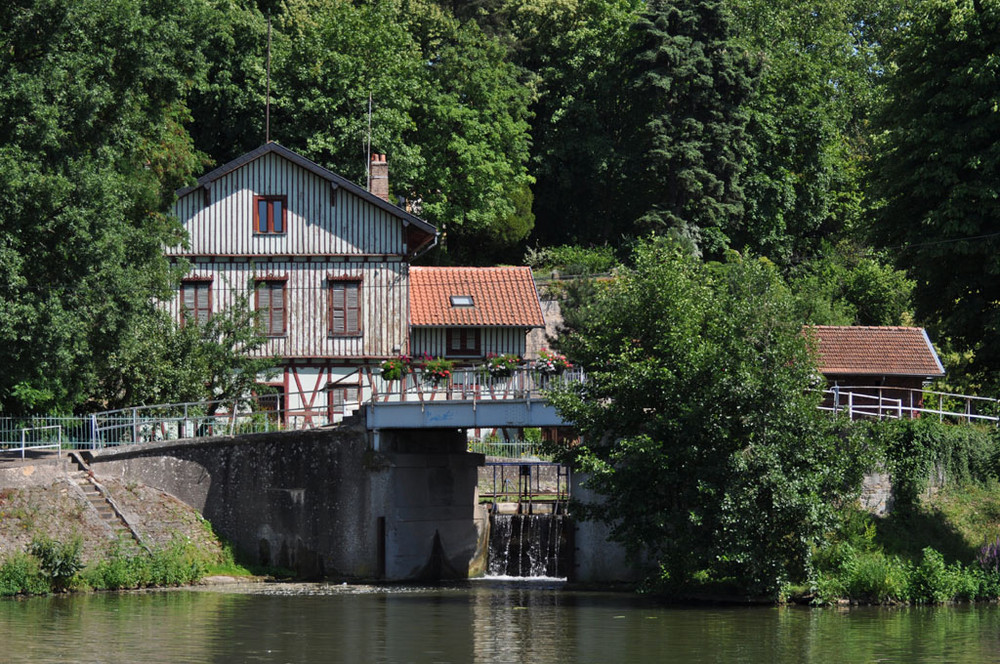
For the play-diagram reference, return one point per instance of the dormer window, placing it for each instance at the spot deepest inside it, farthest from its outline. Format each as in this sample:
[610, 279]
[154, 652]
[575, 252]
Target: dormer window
[462, 301]
[269, 215]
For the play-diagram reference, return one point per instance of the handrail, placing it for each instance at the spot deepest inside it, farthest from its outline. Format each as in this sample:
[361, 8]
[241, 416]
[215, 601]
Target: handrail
[851, 400]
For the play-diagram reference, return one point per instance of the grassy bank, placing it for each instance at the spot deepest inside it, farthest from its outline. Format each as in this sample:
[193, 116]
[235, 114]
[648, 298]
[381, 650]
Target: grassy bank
[941, 542]
[52, 566]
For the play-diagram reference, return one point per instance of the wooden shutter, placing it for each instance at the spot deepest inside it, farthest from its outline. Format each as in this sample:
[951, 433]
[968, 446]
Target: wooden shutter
[276, 308]
[337, 308]
[352, 315]
[345, 307]
[196, 301]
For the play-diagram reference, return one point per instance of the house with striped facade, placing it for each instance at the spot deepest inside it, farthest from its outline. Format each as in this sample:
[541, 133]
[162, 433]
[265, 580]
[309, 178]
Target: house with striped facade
[327, 263]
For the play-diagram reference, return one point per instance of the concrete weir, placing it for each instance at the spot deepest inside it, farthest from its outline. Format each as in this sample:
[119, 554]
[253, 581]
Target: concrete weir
[323, 502]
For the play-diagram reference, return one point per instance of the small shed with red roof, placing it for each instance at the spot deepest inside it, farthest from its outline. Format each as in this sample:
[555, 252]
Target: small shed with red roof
[466, 313]
[884, 362]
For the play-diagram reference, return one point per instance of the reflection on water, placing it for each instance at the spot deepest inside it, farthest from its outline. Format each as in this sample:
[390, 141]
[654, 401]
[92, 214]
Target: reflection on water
[482, 621]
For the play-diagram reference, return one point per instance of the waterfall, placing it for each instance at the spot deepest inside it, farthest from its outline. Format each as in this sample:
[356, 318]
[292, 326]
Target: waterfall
[527, 545]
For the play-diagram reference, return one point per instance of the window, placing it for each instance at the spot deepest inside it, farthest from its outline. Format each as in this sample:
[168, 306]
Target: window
[345, 308]
[463, 342]
[196, 301]
[269, 215]
[271, 404]
[271, 305]
[340, 399]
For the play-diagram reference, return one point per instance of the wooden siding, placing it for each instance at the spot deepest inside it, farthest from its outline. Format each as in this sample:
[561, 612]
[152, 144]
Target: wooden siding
[321, 221]
[499, 340]
[384, 293]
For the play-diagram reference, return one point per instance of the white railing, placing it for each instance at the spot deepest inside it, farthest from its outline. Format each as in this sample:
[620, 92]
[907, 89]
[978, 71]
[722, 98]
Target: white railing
[475, 384]
[164, 422]
[883, 402]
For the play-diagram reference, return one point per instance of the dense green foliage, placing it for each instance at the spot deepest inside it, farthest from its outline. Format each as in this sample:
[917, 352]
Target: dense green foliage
[807, 132]
[939, 164]
[685, 113]
[914, 451]
[699, 431]
[53, 566]
[91, 103]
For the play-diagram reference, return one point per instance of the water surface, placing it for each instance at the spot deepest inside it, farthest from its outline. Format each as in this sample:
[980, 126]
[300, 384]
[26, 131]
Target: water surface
[481, 621]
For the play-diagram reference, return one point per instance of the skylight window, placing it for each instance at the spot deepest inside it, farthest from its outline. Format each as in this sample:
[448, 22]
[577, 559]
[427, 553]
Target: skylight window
[462, 301]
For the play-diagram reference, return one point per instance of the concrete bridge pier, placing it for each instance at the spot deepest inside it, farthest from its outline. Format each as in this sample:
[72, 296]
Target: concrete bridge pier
[433, 526]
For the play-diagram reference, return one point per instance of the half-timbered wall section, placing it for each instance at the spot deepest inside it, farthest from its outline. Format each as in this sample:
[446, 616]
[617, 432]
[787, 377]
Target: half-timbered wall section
[330, 258]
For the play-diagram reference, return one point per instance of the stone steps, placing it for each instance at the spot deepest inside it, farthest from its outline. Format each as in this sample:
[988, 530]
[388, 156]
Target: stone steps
[120, 530]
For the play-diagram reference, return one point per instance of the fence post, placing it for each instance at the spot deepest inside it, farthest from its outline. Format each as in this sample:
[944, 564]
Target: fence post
[135, 426]
[93, 431]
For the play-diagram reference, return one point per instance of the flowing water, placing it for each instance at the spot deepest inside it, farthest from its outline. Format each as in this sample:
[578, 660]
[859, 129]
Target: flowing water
[481, 621]
[528, 545]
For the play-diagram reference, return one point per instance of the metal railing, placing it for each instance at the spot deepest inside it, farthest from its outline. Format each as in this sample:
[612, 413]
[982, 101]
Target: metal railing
[884, 402]
[510, 449]
[472, 384]
[259, 414]
[526, 483]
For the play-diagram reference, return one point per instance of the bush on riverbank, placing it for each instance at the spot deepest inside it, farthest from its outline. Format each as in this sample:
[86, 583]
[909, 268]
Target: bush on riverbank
[873, 577]
[933, 547]
[52, 566]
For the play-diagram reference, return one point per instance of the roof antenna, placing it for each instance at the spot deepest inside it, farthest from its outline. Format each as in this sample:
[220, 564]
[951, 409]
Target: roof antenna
[267, 102]
[368, 148]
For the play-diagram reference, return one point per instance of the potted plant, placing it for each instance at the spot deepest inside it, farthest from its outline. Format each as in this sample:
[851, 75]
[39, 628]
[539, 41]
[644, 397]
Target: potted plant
[396, 368]
[437, 370]
[550, 363]
[501, 366]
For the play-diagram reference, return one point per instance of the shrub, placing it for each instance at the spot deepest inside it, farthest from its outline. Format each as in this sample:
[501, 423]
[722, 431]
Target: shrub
[875, 577]
[173, 565]
[21, 574]
[60, 562]
[933, 581]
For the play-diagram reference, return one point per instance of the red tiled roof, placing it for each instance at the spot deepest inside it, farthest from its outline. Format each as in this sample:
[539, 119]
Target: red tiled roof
[883, 351]
[502, 296]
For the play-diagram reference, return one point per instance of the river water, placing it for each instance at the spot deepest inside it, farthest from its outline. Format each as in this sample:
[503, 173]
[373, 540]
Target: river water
[480, 621]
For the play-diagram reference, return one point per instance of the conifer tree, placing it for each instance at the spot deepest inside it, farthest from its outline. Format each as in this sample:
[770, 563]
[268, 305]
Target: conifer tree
[682, 155]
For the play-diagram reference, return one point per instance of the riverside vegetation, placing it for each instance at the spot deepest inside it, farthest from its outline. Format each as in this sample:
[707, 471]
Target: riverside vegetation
[715, 468]
[50, 542]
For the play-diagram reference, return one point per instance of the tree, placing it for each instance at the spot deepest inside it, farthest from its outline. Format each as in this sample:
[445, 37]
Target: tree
[574, 54]
[162, 362]
[807, 133]
[685, 118]
[698, 426]
[447, 107]
[848, 285]
[938, 170]
[471, 124]
[91, 147]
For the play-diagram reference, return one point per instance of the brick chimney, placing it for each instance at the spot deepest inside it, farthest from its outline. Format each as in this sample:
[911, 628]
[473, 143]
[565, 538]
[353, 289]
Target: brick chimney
[378, 177]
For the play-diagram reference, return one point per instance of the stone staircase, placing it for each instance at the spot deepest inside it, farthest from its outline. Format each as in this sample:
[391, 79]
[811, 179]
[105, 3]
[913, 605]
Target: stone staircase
[103, 504]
